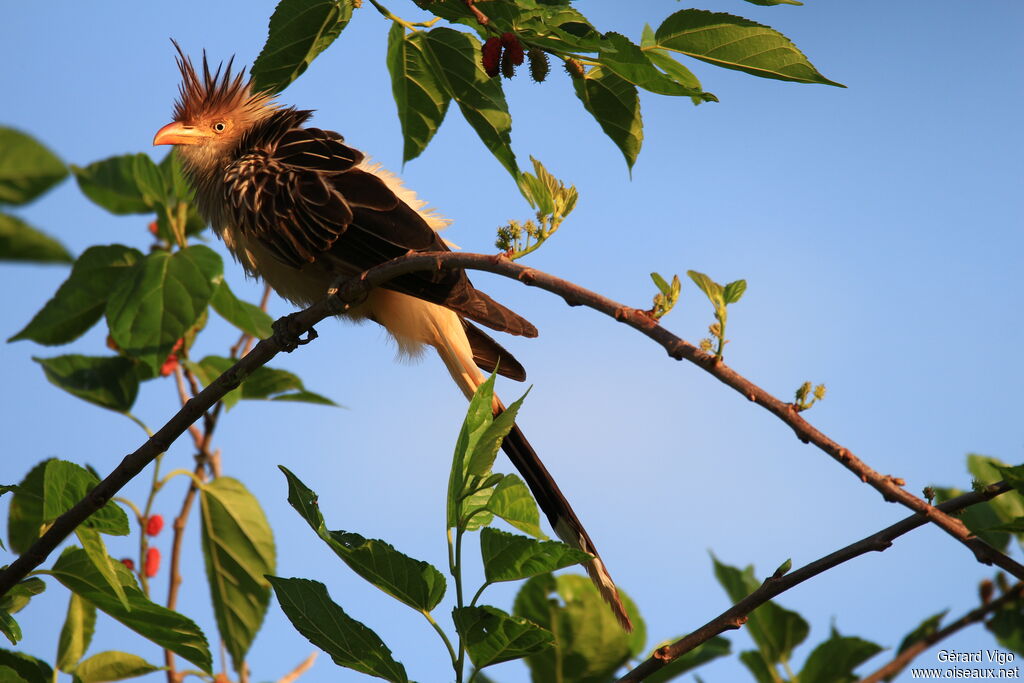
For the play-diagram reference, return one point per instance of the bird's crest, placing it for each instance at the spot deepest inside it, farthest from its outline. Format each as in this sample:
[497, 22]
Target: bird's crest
[217, 91]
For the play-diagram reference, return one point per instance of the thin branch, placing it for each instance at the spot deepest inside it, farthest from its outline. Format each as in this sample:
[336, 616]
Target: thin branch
[349, 291]
[302, 668]
[976, 615]
[737, 615]
[353, 290]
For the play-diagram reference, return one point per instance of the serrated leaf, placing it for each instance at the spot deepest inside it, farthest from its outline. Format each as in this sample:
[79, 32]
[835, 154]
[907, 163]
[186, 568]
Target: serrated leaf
[421, 99]
[65, 484]
[492, 636]
[598, 646]
[238, 550]
[508, 557]
[111, 184]
[481, 458]
[416, 583]
[700, 655]
[102, 563]
[25, 514]
[834, 660]
[734, 291]
[27, 667]
[736, 43]
[479, 416]
[20, 594]
[80, 300]
[163, 296]
[242, 314]
[27, 167]
[309, 607]
[112, 666]
[164, 627]
[19, 241]
[628, 61]
[711, 289]
[455, 58]
[107, 381]
[513, 502]
[614, 103]
[299, 31]
[775, 630]
[76, 633]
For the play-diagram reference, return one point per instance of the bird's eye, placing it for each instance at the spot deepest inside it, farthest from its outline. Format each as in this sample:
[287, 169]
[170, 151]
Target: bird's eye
[219, 127]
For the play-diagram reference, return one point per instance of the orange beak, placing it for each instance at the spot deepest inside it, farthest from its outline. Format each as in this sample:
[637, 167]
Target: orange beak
[177, 133]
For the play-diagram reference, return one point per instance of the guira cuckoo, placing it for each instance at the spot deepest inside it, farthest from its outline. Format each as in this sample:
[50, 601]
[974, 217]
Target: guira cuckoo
[298, 207]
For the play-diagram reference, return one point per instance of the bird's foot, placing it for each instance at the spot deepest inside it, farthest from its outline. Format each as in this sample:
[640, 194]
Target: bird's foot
[288, 336]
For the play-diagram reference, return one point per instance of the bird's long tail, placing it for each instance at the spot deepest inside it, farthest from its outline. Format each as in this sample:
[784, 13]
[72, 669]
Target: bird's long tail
[454, 348]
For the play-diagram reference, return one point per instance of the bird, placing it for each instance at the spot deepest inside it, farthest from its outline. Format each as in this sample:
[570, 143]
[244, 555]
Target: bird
[298, 207]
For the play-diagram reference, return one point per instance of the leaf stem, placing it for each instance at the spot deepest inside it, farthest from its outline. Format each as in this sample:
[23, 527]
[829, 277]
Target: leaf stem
[411, 25]
[444, 636]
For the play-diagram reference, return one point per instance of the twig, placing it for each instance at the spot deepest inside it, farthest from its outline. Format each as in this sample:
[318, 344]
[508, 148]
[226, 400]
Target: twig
[354, 289]
[736, 616]
[974, 616]
[304, 666]
[348, 291]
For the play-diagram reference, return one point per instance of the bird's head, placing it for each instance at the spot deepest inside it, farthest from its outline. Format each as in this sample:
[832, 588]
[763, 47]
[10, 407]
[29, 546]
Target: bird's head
[213, 111]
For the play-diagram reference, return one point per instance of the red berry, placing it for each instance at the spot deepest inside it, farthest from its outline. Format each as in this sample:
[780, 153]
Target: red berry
[152, 562]
[169, 365]
[490, 54]
[111, 344]
[128, 562]
[152, 227]
[513, 48]
[154, 525]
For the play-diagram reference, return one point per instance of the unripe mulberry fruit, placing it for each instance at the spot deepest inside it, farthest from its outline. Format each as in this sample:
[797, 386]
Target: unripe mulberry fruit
[574, 68]
[490, 56]
[152, 562]
[513, 48]
[154, 525]
[539, 65]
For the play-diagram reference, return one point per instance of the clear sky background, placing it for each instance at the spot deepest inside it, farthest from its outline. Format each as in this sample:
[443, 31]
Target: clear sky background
[879, 228]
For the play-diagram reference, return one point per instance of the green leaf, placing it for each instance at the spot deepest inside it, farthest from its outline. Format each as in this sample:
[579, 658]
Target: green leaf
[27, 168]
[80, 300]
[309, 607]
[417, 584]
[8, 674]
[102, 563]
[107, 381]
[1014, 476]
[834, 660]
[112, 666]
[775, 630]
[27, 667]
[176, 186]
[164, 627]
[305, 397]
[263, 384]
[112, 184]
[1007, 625]
[508, 557]
[163, 296]
[625, 59]
[492, 636]
[149, 181]
[238, 548]
[758, 667]
[19, 241]
[19, 595]
[243, 315]
[926, 628]
[512, 501]
[479, 416]
[981, 519]
[614, 103]
[76, 634]
[299, 31]
[700, 655]
[597, 647]
[421, 99]
[481, 458]
[25, 515]
[736, 43]
[713, 290]
[734, 290]
[661, 284]
[65, 484]
[1006, 507]
[455, 59]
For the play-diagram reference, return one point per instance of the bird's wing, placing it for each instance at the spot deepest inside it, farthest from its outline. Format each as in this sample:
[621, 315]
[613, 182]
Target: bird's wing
[303, 197]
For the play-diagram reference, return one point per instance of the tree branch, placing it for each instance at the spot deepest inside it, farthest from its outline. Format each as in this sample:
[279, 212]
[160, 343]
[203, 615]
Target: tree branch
[974, 616]
[736, 616]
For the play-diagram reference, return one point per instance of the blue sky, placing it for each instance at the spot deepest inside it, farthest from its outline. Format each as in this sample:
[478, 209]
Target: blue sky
[879, 228]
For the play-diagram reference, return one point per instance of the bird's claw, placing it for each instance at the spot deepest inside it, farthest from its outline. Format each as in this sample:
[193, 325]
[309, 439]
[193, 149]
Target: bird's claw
[287, 337]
